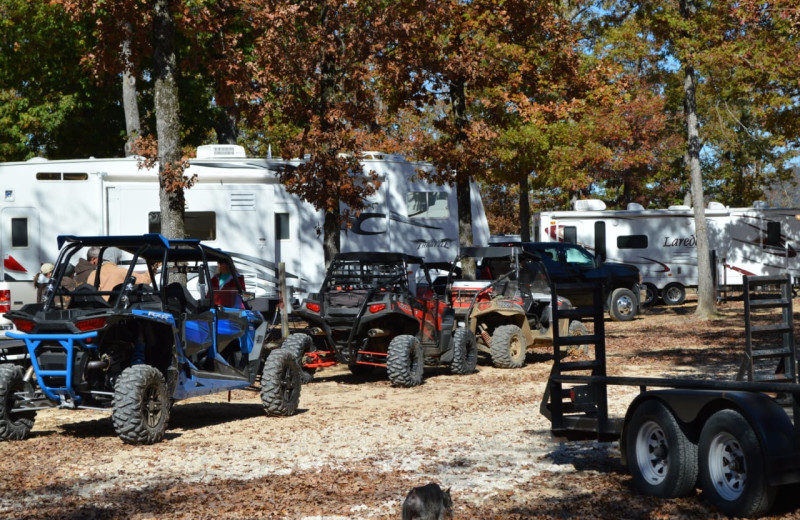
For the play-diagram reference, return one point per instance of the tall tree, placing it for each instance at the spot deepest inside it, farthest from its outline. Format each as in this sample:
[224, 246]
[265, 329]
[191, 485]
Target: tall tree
[313, 75]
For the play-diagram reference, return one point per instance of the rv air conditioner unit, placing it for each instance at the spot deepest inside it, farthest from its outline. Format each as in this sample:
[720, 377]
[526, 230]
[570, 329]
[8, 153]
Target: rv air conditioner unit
[220, 151]
[635, 206]
[589, 205]
[716, 205]
[760, 204]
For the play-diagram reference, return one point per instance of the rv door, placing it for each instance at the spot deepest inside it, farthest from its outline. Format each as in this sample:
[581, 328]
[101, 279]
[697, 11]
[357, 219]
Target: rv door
[19, 243]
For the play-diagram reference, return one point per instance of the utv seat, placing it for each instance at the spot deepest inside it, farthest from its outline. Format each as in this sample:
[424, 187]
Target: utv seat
[178, 295]
[85, 296]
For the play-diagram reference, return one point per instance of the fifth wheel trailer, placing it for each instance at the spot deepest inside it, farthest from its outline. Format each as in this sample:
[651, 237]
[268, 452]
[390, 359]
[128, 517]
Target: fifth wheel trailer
[237, 204]
[662, 243]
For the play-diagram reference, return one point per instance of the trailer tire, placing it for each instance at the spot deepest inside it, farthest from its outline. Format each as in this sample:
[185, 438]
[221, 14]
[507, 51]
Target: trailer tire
[622, 306]
[280, 383]
[404, 362]
[661, 458]
[465, 352]
[732, 473]
[141, 405]
[508, 347]
[298, 345]
[674, 294]
[650, 295]
[14, 426]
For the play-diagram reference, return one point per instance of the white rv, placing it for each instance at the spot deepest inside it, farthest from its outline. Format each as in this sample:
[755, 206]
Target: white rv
[237, 204]
[662, 242]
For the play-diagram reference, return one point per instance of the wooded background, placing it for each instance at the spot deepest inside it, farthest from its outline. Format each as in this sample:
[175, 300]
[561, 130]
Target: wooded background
[552, 100]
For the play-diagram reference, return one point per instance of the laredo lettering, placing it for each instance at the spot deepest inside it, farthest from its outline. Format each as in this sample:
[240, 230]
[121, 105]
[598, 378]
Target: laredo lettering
[689, 241]
[443, 243]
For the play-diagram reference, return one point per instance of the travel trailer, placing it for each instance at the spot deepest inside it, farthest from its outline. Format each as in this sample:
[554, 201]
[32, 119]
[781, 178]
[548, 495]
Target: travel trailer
[237, 204]
[662, 243]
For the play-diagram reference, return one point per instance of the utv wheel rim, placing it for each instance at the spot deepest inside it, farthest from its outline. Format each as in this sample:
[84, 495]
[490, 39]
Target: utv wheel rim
[515, 348]
[727, 467]
[651, 453]
[287, 384]
[153, 406]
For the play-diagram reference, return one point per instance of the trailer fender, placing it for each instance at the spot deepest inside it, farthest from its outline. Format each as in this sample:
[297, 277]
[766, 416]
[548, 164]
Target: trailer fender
[769, 421]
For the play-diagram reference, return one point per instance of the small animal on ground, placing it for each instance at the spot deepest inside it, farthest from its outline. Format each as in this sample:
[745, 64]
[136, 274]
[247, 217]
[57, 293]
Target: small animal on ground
[428, 502]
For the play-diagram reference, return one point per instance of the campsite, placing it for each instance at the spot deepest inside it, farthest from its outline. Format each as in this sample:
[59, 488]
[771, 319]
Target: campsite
[357, 446]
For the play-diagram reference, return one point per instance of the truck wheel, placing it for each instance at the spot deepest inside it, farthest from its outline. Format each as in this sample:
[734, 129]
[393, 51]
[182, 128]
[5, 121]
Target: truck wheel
[508, 347]
[140, 408]
[280, 383]
[622, 306]
[732, 471]
[14, 426]
[465, 352]
[298, 345]
[661, 459]
[650, 295]
[577, 328]
[405, 361]
[673, 294]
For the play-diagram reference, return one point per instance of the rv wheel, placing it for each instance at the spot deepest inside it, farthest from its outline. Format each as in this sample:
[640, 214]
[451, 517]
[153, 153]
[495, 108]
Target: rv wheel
[673, 294]
[650, 294]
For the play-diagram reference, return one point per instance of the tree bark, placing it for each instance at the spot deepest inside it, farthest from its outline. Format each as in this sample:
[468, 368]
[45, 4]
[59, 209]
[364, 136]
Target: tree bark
[130, 105]
[458, 103]
[524, 209]
[706, 302]
[171, 196]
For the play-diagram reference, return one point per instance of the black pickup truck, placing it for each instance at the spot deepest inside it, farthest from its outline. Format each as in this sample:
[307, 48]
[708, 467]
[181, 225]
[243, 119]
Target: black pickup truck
[571, 263]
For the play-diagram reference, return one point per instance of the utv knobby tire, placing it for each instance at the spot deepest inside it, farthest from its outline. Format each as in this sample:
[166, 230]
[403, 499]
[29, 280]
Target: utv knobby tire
[141, 405]
[404, 362]
[508, 347]
[14, 426]
[298, 345]
[465, 352]
[280, 383]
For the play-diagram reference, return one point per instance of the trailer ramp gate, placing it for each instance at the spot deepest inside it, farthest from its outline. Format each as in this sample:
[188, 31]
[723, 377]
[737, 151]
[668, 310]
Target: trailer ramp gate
[576, 400]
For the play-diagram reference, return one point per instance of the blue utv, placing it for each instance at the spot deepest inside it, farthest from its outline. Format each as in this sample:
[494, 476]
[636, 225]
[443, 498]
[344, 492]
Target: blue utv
[170, 330]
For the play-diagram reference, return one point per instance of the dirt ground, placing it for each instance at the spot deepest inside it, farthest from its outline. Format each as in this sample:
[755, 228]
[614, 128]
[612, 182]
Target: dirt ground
[357, 446]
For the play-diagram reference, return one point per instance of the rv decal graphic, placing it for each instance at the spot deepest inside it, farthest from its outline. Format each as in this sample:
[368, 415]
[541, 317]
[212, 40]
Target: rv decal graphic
[690, 241]
[11, 264]
[665, 269]
[358, 223]
[443, 243]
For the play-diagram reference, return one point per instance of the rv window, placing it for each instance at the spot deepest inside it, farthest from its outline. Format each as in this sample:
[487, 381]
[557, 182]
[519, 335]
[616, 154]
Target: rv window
[571, 234]
[774, 234]
[48, 176]
[427, 204]
[201, 225]
[19, 232]
[632, 242]
[282, 226]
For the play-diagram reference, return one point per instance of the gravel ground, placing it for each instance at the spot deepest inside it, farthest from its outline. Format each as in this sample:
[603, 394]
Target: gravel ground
[357, 446]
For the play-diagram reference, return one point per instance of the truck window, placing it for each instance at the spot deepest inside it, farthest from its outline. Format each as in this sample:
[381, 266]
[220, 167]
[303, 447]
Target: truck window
[427, 204]
[578, 256]
[632, 242]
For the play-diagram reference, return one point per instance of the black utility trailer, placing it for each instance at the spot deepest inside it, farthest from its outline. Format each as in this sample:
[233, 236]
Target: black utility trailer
[736, 440]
